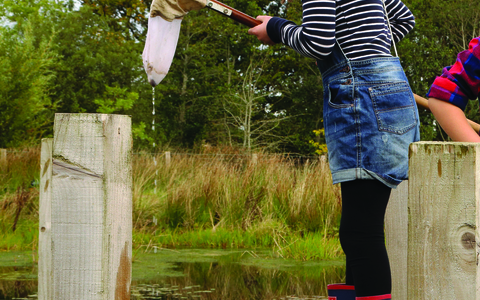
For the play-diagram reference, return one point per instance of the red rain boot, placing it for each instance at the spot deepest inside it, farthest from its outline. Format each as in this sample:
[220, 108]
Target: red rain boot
[341, 291]
[381, 297]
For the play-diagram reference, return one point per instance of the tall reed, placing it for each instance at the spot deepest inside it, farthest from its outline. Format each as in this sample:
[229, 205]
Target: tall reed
[273, 200]
[207, 199]
[19, 199]
[210, 191]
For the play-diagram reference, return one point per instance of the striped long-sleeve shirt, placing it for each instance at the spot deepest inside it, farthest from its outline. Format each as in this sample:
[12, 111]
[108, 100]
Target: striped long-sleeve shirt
[460, 82]
[360, 26]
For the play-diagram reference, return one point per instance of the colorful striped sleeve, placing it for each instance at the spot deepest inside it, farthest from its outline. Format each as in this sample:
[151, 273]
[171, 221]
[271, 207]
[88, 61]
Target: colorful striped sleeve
[460, 82]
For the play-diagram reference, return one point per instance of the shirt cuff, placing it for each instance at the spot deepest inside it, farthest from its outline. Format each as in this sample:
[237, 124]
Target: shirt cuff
[446, 90]
[274, 28]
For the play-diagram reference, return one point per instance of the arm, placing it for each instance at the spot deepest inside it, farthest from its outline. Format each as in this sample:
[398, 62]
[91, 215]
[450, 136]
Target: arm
[401, 19]
[315, 38]
[453, 121]
[456, 85]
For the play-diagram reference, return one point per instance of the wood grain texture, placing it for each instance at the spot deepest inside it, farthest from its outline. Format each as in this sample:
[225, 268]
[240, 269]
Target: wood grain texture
[45, 270]
[91, 208]
[443, 196]
[396, 234]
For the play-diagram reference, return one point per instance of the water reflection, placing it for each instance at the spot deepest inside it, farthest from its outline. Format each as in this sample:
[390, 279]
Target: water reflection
[206, 275]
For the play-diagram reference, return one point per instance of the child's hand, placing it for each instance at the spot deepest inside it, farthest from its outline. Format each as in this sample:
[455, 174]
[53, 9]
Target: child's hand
[260, 31]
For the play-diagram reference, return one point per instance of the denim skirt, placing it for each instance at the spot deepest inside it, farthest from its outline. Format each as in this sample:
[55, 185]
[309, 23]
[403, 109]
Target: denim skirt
[370, 118]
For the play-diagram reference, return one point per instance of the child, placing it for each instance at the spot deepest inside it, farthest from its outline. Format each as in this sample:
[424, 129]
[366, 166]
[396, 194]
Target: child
[370, 118]
[449, 94]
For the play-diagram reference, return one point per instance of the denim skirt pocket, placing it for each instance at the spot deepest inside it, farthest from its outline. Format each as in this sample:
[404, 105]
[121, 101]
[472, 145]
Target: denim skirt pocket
[394, 107]
[340, 94]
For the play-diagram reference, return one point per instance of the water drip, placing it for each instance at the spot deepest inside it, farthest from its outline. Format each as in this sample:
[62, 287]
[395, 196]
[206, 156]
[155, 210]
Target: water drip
[153, 129]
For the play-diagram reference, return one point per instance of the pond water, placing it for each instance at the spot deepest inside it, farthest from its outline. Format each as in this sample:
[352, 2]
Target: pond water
[196, 274]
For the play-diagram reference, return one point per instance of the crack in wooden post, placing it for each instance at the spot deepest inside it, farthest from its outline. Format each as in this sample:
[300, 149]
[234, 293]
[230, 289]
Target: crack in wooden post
[86, 209]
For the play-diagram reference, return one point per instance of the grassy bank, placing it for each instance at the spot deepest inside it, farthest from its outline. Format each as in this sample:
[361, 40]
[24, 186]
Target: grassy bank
[202, 200]
[19, 200]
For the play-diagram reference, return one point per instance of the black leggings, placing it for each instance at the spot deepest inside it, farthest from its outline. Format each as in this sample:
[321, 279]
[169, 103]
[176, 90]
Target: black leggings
[362, 236]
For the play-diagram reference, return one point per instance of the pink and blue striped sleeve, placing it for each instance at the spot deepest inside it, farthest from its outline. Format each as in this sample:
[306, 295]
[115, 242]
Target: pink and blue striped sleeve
[460, 82]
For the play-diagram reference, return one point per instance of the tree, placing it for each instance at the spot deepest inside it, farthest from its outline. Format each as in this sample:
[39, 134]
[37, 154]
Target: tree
[466, 24]
[250, 115]
[83, 57]
[127, 16]
[26, 107]
[212, 52]
[115, 100]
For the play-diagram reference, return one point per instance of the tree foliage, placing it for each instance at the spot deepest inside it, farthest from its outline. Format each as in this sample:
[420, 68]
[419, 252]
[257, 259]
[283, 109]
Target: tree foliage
[85, 56]
[26, 79]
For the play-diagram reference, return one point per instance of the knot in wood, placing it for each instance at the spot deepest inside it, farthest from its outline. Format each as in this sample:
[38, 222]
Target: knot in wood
[468, 240]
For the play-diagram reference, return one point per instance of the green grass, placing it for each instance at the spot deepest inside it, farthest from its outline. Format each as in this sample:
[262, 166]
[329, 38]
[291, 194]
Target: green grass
[25, 237]
[314, 246]
[19, 200]
[204, 200]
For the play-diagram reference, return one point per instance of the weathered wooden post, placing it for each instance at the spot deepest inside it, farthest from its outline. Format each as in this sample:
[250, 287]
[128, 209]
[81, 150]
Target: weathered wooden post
[396, 234]
[45, 270]
[254, 158]
[443, 209]
[168, 158]
[3, 159]
[86, 209]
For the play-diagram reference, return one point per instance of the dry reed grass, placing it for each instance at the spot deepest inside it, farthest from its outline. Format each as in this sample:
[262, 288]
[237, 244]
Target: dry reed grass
[271, 198]
[235, 192]
[19, 199]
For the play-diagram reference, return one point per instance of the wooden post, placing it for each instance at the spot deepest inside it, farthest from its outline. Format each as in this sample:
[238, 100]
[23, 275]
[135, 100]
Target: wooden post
[443, 203]
[91, 210]
[254, 158]
[168, 158]
[3, 159]
[45, 271]
[396, 234]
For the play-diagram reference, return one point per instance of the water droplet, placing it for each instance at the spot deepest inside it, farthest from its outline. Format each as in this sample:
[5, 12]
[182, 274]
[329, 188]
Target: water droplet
[153, 129]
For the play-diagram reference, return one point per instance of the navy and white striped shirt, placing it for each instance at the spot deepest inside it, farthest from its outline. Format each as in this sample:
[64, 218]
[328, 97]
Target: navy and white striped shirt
[359, 26]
